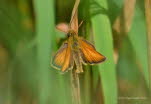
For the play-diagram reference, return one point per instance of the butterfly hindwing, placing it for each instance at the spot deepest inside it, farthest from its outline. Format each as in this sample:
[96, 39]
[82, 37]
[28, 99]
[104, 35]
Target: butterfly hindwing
[89, 54]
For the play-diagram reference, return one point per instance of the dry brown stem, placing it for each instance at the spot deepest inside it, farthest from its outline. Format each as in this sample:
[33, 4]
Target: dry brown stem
[148, 25]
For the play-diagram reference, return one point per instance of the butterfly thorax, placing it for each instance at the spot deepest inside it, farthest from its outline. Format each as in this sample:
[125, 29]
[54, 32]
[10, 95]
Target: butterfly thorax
[73, 40]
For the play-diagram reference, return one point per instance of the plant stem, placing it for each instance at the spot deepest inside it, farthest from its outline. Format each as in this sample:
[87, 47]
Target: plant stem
[148, 26]
[76, 98]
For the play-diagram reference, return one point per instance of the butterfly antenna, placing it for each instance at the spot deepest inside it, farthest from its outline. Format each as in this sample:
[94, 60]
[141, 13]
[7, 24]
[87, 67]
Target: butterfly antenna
[80, 24]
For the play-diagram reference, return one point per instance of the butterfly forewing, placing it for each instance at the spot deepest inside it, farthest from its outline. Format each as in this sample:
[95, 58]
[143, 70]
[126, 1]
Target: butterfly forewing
[89, 54]
[63, 58]
[68, 62]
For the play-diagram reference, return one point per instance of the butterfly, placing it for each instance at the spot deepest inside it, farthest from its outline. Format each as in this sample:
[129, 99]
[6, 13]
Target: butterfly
[75, 50]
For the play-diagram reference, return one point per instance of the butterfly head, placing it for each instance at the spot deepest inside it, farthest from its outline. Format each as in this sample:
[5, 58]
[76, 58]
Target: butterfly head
[71, 33]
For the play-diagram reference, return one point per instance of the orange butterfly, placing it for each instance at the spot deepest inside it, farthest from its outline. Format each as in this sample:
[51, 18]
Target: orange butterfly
[75, 50]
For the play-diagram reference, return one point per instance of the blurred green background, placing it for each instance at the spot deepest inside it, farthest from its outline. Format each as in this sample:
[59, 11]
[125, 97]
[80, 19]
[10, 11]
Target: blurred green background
[28, 40]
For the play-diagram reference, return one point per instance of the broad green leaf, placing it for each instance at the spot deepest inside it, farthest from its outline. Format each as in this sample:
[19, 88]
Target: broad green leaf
[104, 44]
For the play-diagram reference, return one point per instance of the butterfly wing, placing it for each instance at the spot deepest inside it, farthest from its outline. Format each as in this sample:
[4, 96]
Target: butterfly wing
[89, 54]
[68, 61]
[63, 59]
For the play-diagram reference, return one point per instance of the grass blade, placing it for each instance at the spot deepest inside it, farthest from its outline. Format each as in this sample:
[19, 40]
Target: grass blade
[104, 44]
[45, 32]
[139, 41]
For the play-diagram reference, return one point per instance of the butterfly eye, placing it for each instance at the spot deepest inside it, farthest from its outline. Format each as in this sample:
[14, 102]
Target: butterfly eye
[68, 34]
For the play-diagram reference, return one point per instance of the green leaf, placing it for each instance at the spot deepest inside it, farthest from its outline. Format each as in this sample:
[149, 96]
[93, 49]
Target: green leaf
[104, 44]
[45, 34]
[137, 36]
